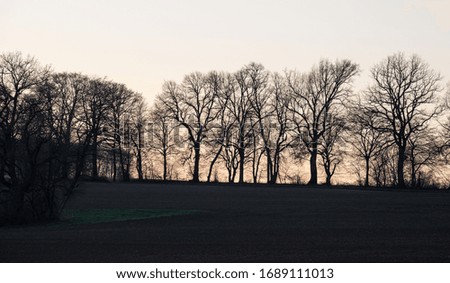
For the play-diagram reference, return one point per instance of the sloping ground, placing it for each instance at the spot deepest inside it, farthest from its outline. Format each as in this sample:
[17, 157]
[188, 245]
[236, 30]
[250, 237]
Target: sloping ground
[243, 224]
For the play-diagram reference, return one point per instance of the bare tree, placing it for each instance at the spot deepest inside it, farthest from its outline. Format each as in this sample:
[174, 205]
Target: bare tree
[43, 135]
[230, 156]
[96, 112]
[162, 130]
[257, 149]
[364, 137]
[279, 130]
[240, 109]
[194, 107]
[403, 97]
[19, 78]
[384, 168]
[64, 93]
[221, 85]
[330, 148]
[269, 102]
[422, 153]
[260, 96]
[139, 122]
[446, 125]
[62, 99]
[313, 96]
[121, 104]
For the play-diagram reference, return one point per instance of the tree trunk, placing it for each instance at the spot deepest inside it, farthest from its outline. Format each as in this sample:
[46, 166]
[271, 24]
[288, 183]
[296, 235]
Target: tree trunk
[328, 172]
[233, 176]
[269, 166]
[229, 174]
[413, 173]
[328, 180]
[164, 164]
[139, 151]
[195, 176]
[94, 157]
[274, 177]
[313, 165]
[413, 168]
[114, 173]
[276, 166]
[139, 165]
[366, 180]
[127, 166]
[65, 156]
[213, 162]
[400, 167]
[241, 162]
[256, 163]
[122, 162]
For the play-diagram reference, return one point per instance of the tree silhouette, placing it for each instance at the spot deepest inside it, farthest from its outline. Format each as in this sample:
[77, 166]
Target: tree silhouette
[240, 109]
[194, 106]
[313, 96]
[402, 97]
[163, 128]
[365, 139]
[330, 148]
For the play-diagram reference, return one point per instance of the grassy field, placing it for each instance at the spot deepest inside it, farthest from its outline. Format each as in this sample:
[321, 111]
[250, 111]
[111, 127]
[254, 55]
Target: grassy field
[183, 222]
[92, 216]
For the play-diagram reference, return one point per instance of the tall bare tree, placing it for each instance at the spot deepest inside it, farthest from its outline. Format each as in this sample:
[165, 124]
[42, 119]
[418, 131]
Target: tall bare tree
[139, 121]
[313, 96]
[121, 106]
[363, 136]
[260, 98]
[422, 152]
[330, 148]
[280, 128]
[162, 130]
[270, 102]
[230, 156]
[64, 93]
[403, 96]
[194, 107]
[96, 112]
[19, 78]
[221, 85]
[241, 110]
[383, 167]
[446, 125]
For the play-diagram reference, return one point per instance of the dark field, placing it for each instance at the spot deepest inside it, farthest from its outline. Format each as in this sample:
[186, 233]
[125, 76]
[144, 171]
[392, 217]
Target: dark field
[243, 224]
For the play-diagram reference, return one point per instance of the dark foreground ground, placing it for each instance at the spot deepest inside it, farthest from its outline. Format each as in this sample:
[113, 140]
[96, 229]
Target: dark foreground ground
[244, 224]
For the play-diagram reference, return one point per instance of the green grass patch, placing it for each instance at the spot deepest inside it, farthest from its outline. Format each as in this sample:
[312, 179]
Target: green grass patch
[91, 216]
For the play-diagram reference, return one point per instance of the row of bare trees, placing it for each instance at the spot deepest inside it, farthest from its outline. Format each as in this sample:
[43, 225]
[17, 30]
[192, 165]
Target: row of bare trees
[248, 126]
[56, 127]
[253, 118]
[254, 114]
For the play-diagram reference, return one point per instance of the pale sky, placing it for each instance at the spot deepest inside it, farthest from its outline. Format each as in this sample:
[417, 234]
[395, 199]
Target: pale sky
[142, 43]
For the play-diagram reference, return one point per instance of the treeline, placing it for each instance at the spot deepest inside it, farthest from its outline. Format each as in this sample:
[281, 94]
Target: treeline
[253, 122]
[247, 126]
[56, 127]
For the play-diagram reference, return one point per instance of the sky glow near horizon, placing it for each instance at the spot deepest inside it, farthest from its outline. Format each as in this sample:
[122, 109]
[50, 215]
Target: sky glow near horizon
[143, 43]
